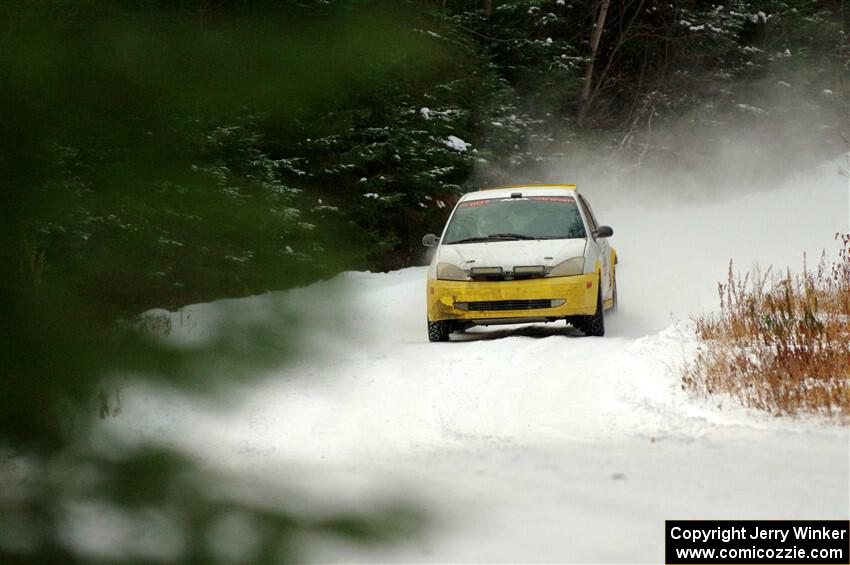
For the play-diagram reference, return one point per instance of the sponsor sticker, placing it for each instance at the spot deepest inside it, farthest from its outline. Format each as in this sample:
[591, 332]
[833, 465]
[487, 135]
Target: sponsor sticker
[473, 203]
[554, 198]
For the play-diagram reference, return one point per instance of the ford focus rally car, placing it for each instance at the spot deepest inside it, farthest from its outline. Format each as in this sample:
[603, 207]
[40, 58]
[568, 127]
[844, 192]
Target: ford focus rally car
[521, 254]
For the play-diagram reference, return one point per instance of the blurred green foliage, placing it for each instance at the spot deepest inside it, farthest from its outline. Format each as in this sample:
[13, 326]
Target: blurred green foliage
[131, 132]
[133, 176]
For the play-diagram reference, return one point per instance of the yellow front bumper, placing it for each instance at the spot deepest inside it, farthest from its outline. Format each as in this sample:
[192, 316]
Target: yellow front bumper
[579, 293]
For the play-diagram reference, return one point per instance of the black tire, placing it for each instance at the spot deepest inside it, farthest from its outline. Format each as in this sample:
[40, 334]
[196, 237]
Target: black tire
[439, 331]
[594, 325]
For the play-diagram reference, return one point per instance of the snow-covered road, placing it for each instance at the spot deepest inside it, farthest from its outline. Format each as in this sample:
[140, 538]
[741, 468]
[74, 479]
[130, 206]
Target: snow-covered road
[525, 443]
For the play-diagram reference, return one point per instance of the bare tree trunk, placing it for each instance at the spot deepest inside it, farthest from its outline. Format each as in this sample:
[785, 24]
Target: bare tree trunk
[488, 8]
[584, 103]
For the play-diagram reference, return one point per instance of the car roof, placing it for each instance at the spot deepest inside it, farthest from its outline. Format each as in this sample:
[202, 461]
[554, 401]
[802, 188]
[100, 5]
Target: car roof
[532, 189]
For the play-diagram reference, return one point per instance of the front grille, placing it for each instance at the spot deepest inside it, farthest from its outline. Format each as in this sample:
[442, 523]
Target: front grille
[488, 305]
[506, 276]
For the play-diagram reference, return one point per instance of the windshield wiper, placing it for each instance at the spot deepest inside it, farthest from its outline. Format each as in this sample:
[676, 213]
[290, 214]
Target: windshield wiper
[492, 237]
[509, 236]
[468, 240]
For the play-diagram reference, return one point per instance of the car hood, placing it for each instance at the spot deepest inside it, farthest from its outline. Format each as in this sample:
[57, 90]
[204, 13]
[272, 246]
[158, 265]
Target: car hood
[510, 254]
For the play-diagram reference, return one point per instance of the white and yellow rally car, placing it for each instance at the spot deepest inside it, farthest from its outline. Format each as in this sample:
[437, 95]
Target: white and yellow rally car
[521, 254]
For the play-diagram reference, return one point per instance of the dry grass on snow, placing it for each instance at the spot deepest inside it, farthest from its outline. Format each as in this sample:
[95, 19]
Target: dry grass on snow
[780, 342]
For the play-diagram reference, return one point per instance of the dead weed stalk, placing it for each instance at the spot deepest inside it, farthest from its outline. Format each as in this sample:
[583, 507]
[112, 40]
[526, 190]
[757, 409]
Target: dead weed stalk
[780, 342]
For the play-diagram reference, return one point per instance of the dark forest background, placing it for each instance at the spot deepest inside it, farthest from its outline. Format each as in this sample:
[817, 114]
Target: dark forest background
[158, 154]
[152, 131]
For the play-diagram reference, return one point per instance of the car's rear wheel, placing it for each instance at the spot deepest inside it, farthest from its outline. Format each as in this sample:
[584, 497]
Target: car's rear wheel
[439, 330]
[614, 293]
[593, 325]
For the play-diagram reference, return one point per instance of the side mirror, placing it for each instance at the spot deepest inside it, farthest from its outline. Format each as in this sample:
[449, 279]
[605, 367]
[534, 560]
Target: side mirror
[430, 240]
[604, 231]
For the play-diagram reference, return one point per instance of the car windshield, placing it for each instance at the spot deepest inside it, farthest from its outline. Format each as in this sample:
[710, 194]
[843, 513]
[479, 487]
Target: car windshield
[505, 219]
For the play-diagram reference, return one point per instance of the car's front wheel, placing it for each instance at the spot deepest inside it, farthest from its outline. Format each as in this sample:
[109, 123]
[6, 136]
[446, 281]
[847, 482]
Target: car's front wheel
[593, 325]
[439, 330]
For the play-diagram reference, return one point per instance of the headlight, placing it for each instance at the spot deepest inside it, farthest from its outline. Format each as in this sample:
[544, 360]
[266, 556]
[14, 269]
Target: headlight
[449, 272]
[574, 266]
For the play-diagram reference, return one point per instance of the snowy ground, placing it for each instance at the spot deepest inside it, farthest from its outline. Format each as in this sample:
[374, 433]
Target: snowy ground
[531, 443]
